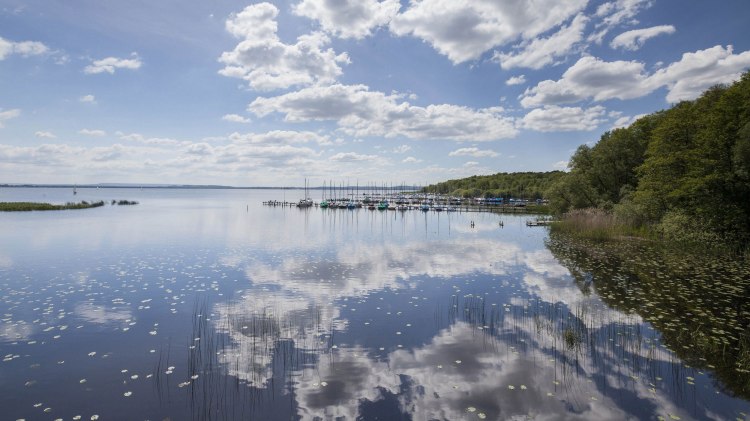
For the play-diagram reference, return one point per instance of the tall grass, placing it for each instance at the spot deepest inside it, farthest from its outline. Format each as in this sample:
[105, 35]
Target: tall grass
[598, 224]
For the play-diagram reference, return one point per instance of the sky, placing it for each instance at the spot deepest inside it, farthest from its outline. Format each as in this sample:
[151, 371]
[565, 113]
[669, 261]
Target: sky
[350, 91]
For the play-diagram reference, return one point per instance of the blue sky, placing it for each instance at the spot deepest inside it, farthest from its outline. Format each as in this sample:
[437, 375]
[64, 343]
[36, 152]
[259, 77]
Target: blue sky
[270, 93]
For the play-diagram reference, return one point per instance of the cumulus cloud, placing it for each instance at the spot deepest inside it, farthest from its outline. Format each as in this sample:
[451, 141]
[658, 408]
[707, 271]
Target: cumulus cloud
[685, 79]
[553, 118]
[591, 77]
[516, 80]
[7, 115]
[633, 40]
[111, 64]
[88, 99]
[475, 152]
[45, 135]
[95, 133]
[411, 160]
[235, 118]
[361, 112]
[349, 18]
[23, 48]
[698, 71]
[266, 63]
[541, 52]
[462, 30]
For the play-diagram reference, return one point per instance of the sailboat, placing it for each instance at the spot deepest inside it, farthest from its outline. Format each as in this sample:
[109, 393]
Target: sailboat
[323, 202]
[305, 202]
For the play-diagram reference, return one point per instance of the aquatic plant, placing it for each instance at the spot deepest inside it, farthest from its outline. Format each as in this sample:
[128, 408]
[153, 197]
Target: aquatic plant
[699, 303]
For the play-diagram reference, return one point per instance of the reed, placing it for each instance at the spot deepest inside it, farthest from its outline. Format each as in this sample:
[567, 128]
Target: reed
[598, 224]
[34, 206]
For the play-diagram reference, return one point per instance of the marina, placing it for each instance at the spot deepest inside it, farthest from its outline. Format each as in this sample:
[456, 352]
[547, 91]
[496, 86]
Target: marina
[413, 201]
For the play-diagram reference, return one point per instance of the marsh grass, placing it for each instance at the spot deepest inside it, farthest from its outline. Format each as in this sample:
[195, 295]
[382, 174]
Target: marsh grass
[33, 206]
[598, 224]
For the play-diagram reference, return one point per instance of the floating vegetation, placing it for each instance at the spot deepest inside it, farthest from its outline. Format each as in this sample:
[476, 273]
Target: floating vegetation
[699, 304]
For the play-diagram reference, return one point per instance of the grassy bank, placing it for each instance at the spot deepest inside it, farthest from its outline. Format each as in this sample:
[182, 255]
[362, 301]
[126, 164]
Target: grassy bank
[33, 206]
[597, 224]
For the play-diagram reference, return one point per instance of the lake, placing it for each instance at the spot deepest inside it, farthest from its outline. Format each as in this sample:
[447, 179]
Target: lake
[205, 304]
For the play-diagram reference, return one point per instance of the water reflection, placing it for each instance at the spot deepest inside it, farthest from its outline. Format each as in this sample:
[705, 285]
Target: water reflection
[526, 339]
[262, 313]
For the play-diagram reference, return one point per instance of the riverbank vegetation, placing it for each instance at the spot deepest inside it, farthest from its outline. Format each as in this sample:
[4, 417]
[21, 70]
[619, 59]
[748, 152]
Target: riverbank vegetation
[34, 206]
[681, 175]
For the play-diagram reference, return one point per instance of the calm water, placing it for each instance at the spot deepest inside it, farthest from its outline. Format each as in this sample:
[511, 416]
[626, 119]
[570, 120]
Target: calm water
[204, 304]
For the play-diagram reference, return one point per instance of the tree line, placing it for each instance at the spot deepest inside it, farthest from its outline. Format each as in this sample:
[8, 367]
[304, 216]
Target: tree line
[520, 185]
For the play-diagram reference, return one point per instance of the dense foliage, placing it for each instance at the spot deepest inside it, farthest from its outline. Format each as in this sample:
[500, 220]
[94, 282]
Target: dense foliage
[522, 185]
[683, 171]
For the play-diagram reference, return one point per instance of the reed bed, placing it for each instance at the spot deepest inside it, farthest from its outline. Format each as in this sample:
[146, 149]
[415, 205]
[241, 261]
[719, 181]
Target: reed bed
[34, 206]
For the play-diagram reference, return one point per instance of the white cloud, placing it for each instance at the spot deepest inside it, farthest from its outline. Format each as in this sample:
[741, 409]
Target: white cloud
[553, 118]
[516, 80]
[695, 72]
[349, 18]
[352, 156]
[139, 138]
[110, 64]
[463, 30]
[560, 165]
[469, 164]
[626, 121]
[541, 52]
[235, 118]
[474, 152]
[266, 63]
[617, 13]
[633, 40]
[45, 135]
[402, 149]
[411, 160]
[361, 112]
[280, 137]
[89, 99]
[7, 115]
[591, 77]
[23, 48]
[95, 133]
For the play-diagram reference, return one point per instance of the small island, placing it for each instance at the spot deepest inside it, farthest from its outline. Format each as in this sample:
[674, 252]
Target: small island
[37, 206]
